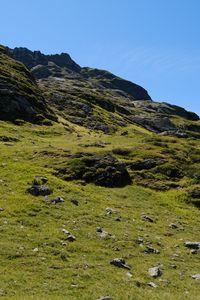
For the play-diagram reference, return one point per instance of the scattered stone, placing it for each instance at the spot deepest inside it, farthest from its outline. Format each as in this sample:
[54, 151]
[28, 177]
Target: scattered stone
[99, 230]
[196, 276]
[193, 251]
[120, 263]
[71, 238]
[129, 274]
[109, 211]
[101, 233]
[118, 219]
[65, 231]
[116, 249]
[173, 225]
[39, 190]
[152, 284]
[155, 271]
[1, 209]
[58, 199]
[192, 245]
[35, 250]
[150, 249]
[173, 266]
[75, 202]
[105, 298]
[147, 218]
[139, 241]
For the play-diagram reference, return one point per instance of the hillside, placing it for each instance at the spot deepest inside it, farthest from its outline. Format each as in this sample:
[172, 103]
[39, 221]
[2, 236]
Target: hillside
[100, 100]
[21, 98]
[94, 198]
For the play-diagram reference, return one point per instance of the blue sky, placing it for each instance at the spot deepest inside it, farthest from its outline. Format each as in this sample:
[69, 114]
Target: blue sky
[155, 43]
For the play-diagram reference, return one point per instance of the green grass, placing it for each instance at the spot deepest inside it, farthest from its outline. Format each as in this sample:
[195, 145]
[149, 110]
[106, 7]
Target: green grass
[82, 270]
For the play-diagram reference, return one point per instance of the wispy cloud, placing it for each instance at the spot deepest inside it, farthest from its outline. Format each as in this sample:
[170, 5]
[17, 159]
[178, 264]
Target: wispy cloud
[160, 60]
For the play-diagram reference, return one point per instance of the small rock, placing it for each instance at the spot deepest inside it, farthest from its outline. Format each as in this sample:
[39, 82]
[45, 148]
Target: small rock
[151, 250]
[71, 238]
[109, 211]
[196, 276]
[129, 274]
[75, 202]
[1, 209]
[99, 230]
[152, 284]
[173, 225]
[155, 272]
[147, 218]
[65, 231]
[119, 262]
[105, 298]
[35, 250]
[140, 241]
[173, 266]
[192, 245]
[101, 233]
[58, 199]
[193, 251]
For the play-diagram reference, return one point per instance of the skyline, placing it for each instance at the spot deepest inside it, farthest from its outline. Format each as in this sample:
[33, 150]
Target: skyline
[149, 43]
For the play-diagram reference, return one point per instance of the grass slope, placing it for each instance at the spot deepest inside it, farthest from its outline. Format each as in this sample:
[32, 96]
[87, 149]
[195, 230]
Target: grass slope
[37, 262]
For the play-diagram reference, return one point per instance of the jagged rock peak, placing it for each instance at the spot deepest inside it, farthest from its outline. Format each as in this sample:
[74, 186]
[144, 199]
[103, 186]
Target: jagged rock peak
[33, 58]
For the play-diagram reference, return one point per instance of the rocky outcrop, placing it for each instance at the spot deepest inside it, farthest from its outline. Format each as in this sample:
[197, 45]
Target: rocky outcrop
[61, 65]
[20, 96]
[100, 100]
[110, 81]
[32, 59]
[103, 170]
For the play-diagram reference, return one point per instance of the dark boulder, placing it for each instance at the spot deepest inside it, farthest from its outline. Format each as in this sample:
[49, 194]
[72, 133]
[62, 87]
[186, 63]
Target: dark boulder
[39, 190]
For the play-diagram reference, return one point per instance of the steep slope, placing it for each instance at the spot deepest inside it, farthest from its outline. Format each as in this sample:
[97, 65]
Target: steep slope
[61, 246]
[20, 96]
[87, 211]
[99, 100]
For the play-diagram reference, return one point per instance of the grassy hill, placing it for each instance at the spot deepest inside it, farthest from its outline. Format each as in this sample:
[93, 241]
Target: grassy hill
[37, 260]
[90, 173]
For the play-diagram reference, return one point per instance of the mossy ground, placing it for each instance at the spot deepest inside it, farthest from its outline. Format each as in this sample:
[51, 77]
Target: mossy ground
[82, 270]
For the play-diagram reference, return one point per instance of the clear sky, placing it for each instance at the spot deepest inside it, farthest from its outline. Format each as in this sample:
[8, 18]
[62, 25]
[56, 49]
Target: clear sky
[154, 43]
